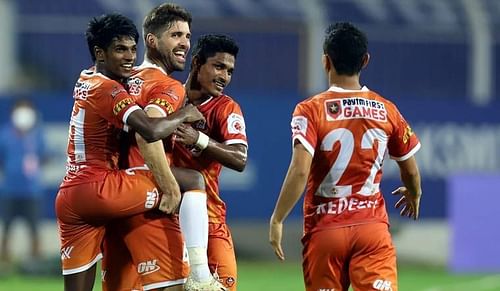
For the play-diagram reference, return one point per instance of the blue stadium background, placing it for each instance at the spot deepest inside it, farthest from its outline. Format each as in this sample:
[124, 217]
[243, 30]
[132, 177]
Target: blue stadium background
[421, 59]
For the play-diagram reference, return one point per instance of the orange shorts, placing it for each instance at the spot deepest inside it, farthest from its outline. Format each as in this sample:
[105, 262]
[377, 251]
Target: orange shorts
[83, 210]
[361, 255]
[221, 256]
[144, 252]
[119, 267]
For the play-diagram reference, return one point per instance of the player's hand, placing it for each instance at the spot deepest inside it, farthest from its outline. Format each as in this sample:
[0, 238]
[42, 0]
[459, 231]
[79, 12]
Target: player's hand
[275, 234]
[170, 202]
[409, 203]
[186, 135]
[191, 113]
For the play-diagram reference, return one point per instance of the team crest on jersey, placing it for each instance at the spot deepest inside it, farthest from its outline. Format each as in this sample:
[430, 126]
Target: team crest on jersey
[355, 108]
[299, 125]
[135, 86]
[122, 104]
[81, 90]
[235, 124]
[163, 103]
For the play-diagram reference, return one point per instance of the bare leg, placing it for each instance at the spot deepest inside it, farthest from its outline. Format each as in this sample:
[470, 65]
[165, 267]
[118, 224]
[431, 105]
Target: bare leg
[83, 281]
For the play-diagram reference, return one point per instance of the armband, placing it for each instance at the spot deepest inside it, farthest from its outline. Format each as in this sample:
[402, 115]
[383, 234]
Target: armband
[202, 141]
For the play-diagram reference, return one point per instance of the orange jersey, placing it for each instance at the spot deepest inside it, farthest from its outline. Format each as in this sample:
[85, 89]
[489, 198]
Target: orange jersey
[100, 110]
[348, 133]
[152, 87]
[225, 124]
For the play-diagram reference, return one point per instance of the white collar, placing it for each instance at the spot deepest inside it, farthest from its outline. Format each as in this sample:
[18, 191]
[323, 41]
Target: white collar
[148, 64]
[334, 88]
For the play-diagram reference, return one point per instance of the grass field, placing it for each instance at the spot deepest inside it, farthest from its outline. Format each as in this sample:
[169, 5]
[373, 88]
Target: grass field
[263, 276]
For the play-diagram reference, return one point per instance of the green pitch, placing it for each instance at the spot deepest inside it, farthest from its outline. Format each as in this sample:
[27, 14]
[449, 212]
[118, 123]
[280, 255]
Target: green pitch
[275, 276]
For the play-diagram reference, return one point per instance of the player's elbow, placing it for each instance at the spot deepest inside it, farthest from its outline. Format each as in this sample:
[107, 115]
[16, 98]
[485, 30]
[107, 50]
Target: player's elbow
[149, 135]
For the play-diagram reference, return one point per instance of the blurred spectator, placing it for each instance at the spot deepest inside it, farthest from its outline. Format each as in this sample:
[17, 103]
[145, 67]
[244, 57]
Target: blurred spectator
[21, 149]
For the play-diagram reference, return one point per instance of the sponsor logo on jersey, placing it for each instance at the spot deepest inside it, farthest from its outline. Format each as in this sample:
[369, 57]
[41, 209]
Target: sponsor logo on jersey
[343, 204]
[299, 125]
[171, 94]
[117, 90]
[122, 104]
[81, 90]
[66, 252]
[235, 124]
[135, 86]
[407, 135]
[163, 103]
[382, 285]
[355, 108]
[147, 267]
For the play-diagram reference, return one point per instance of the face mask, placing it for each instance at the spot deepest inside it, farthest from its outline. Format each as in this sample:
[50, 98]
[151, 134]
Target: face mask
[23, 118]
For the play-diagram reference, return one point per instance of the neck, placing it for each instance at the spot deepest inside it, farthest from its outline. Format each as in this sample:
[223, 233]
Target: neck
[157, 60]
[345, 82]
[99, 68]
[194, 94]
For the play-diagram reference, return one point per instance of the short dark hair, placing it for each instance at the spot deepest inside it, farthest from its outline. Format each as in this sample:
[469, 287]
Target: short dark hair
[210, 44]
[163, 16]
[103, 29]
[346, 46]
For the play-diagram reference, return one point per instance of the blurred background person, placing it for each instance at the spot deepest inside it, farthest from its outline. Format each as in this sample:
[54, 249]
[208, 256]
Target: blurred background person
[22, 149]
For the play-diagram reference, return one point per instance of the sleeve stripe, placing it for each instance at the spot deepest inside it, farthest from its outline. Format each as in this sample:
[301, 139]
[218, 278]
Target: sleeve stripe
[408, 155]
[129, 111]
[304, 142]
[159, 108]
[236, 141]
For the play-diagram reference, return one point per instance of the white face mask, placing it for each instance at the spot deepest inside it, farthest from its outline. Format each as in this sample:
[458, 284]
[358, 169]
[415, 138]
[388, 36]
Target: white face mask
[23, 118]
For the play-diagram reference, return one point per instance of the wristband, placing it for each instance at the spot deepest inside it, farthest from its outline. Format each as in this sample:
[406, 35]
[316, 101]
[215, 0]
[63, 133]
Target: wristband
[202, 141]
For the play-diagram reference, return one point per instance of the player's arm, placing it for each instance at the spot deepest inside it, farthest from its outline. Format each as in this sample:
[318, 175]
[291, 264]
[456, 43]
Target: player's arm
[154, 156]
[291, 191]
[412, 191]
[233, 156]
[153, 129]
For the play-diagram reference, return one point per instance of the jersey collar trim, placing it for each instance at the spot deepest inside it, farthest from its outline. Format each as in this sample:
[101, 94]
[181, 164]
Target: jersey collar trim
[339, 89]
[147, 64]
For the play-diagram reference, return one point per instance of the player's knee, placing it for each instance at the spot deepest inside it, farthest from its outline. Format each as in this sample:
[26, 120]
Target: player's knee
[195, 181]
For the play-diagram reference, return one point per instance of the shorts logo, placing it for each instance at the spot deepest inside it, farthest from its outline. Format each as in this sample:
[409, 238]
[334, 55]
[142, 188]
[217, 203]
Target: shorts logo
[382, 285]
[235, 124]
[147, 267]
[151, 198]
[299, 125]
[66, 252]
[230, 281]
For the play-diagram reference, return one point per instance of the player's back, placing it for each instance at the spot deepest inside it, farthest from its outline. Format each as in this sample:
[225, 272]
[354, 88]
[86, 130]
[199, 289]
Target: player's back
[348, 134]
[99, 106]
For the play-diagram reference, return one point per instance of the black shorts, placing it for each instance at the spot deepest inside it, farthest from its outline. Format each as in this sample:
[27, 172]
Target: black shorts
[28, 208]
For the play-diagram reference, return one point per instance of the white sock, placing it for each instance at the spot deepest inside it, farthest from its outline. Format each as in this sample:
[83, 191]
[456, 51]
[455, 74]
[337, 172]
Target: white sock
[193, 218]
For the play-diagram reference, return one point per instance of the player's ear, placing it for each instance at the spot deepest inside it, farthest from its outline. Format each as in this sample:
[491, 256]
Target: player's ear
[327, 64]
[151, 40]
[195, 63]
[99, 54]
[366, 60]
